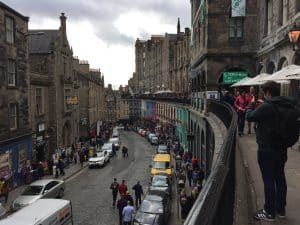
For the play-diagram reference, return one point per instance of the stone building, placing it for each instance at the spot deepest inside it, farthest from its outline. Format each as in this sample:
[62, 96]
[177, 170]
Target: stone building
[15, 122]
[110, 105]
[277, 18]
[91, 100]
[223, 47]
[54, 104]
[163, 62]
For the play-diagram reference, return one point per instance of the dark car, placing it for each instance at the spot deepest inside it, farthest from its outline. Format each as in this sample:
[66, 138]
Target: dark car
[161, 182]
[162, 149]
[154, 210]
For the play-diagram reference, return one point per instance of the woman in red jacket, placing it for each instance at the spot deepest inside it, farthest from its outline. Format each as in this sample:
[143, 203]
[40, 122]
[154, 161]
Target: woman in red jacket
[241, 104]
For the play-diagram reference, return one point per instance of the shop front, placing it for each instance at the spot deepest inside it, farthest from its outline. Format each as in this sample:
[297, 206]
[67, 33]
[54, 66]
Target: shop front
[13, 156]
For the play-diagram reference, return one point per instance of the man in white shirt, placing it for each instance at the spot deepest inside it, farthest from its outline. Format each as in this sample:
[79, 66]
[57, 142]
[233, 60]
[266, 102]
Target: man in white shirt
[127, 214]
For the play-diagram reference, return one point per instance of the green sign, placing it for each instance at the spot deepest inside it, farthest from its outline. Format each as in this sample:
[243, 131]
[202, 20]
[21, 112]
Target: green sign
[231, 77]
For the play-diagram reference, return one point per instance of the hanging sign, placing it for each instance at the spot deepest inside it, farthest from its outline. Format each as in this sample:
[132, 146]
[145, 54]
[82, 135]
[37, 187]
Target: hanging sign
[238, 8]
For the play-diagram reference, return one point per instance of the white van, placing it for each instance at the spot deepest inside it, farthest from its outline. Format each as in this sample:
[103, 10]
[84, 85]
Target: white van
[42, 212]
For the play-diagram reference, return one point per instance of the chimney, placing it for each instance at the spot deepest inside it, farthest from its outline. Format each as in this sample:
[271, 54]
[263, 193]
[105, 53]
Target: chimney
[178, 26]
[63, 27]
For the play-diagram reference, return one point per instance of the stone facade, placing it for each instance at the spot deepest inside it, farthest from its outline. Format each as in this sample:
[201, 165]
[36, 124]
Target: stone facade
[162, 63]
[52, 72]
[275, 51]
[15, 121]
[220, 42]
[110, 105]
[91, 99]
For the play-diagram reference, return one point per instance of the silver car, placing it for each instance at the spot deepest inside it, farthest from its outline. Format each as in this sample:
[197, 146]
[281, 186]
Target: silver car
[115, 141]
[47, 188]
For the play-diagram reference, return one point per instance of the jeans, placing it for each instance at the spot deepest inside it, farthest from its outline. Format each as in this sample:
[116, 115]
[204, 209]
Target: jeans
[241, 121]
[271, 163]
[138, 200]
[114, 199]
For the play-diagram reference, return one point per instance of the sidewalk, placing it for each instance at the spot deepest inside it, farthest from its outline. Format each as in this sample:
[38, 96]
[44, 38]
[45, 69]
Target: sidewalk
[248, 148]
[71, 170]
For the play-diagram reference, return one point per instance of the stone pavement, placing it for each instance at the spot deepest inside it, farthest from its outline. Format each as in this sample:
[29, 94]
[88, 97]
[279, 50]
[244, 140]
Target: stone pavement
[248, 148]
[71, 170]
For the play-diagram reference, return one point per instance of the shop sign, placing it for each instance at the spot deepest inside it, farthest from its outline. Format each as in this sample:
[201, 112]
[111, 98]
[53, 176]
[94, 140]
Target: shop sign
[212, 95]
[72, 100]
[4, 164]
[231, 77]
[41, 127]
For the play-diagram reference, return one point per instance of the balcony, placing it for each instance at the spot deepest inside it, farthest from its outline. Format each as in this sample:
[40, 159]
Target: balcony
[66, 80]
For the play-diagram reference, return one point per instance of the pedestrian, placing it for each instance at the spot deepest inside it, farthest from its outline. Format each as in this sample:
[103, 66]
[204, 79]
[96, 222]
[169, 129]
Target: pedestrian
[114, 189]
[4, 189]
[195, 177]
[240, 104]
[138, 191]
[128, 198]
[127, 214]
[123, 188]
[114, 150]
[277, 129]
[75, 157]
[121, 204]
[185, 204]
[40, 170]
[124, 151]
[81, 157]
[61, 166]
[189, 174]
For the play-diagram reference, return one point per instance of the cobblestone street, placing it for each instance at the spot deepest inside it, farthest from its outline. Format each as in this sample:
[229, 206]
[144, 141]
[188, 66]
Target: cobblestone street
[89, 190]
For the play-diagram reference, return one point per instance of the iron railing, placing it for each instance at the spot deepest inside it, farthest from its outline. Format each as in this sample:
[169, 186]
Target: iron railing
[215, 204]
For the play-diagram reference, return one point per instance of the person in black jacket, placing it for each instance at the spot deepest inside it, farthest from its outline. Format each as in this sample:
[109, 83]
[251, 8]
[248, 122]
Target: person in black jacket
[272, 153]
[138, 191]
[121, 205]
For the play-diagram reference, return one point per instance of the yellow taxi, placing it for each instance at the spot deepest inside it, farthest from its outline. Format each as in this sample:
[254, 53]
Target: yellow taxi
[161, 163]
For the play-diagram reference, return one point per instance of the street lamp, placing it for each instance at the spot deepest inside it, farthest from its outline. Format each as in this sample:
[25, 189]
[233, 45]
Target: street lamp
[294, 34]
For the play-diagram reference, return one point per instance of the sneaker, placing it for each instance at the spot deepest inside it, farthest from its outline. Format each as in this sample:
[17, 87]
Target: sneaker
[281, 214]
[262, 215]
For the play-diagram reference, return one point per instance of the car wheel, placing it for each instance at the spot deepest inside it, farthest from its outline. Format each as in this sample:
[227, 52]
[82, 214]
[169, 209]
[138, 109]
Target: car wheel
[61, 193]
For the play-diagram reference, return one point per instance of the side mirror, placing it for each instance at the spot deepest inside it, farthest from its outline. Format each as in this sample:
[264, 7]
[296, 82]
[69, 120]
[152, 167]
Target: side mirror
[46, 191]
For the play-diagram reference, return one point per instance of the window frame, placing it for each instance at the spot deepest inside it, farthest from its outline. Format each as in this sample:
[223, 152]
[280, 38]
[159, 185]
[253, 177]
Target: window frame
[233, 24]
[15, 116]
[11, 73]
[39, 105]
[9, 30]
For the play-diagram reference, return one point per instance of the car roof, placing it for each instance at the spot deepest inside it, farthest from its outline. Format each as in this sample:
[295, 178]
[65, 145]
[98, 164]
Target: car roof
[43, 182]
[162, 157]
[156, 195]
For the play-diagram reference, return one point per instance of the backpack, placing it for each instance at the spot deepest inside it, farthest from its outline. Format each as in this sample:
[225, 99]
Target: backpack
[288, 124]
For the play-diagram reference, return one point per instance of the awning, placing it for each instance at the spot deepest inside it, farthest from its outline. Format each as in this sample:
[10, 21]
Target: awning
[291, 72]
[240, 83]
[257, 80]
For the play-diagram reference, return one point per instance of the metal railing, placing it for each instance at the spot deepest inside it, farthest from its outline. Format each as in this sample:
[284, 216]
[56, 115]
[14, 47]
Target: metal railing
[215, 204]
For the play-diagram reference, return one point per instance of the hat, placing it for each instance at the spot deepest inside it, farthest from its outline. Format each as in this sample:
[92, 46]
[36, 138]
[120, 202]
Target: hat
[127, 192]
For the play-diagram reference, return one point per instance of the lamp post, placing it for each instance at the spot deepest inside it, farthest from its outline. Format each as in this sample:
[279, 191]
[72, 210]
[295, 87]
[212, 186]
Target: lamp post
[294, 34]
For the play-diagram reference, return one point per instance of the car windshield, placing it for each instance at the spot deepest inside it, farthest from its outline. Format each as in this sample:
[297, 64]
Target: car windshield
[160, 165]
[33, 190]
[162, 149]
[113, 140]
[151, 207]
[160, 181]
[106, 146]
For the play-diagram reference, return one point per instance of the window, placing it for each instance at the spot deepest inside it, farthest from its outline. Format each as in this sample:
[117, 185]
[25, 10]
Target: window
[39, 101]
[67, 98]
[236, 28]
[11, 73]
[9, 29]
[12, 114]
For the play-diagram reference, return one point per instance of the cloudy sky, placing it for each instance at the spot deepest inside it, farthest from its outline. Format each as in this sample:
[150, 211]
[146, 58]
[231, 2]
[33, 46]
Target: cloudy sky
[103, 32]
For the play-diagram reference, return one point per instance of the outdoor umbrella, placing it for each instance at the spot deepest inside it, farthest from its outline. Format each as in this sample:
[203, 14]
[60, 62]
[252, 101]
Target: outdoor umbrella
[291, 72]
[241, 82]
[257, 80]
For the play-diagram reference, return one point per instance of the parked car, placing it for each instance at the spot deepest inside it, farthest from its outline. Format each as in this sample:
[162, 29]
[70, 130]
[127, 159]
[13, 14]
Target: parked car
[120, 126]
[143, 133]
[107, 147]
[162, 149]
[100, 159]
[161, 163]
[161, 182]
[46, 188]
[155, 209]
[150, 135]
[154, 140]
[115, 141]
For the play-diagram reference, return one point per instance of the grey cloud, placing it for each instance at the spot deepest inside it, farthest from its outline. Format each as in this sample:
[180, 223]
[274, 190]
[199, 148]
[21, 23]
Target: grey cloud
[102, 13]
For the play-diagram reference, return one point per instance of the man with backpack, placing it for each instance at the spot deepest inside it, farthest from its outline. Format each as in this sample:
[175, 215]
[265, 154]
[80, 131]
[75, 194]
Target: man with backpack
[277, 129]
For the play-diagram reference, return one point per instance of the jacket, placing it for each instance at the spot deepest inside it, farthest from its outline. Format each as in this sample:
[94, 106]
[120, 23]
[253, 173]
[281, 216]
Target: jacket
[265, 116]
